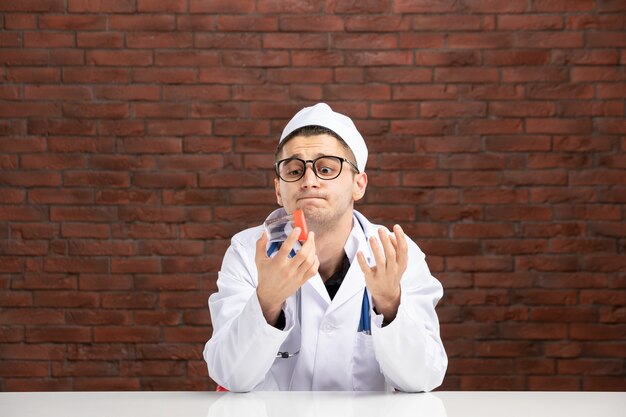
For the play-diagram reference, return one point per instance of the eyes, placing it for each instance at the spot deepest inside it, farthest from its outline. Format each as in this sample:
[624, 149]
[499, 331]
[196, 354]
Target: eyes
[324, 167]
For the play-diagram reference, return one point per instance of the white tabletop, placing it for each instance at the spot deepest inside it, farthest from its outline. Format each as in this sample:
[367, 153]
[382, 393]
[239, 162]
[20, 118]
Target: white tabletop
[313, 404]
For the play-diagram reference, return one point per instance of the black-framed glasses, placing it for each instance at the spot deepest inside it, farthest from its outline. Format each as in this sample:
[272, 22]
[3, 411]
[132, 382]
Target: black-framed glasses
[324, 167]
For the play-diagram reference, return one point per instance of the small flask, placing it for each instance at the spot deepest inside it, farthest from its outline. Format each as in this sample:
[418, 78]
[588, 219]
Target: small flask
[279, 226]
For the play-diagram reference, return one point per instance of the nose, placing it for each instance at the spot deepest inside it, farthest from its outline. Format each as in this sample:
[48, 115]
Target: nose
[309, 179]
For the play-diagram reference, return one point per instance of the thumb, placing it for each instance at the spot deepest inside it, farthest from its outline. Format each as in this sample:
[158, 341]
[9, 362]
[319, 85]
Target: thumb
[261, 244]
[365, 268]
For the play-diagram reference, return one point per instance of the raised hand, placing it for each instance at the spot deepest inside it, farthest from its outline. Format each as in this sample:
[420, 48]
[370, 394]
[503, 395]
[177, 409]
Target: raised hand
[281, 276]
[383, 279]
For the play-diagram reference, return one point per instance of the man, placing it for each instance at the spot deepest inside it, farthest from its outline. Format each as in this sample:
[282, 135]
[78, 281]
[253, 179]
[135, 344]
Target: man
[350, 308]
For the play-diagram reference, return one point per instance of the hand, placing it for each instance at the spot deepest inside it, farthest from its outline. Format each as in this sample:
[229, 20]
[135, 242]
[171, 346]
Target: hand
[383, 279]
[281, 276]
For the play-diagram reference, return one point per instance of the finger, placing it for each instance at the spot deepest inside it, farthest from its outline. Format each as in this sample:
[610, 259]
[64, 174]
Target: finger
[390, 252]
[402, 247]
[311, 271]
[363, 263]
[307, 251]
[377, 252]
[309, 244]
[289, 243]
[261, 244]
[306, 257]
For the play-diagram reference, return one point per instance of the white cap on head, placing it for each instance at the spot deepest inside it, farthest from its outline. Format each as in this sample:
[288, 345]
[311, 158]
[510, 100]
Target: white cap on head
[322, 115]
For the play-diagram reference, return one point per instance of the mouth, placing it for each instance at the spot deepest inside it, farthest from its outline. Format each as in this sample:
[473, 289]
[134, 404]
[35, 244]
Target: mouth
[310, 197]
[309, 200]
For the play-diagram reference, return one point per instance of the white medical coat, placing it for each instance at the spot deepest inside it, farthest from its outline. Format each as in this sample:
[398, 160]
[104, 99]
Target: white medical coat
[407, 354]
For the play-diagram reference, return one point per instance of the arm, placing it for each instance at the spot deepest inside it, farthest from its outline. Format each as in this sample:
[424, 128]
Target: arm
[252, 291]
[409, 349]
[243, 346]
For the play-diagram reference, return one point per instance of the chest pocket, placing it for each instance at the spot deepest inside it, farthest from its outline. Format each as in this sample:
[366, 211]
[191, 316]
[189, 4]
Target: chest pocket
[366, 375]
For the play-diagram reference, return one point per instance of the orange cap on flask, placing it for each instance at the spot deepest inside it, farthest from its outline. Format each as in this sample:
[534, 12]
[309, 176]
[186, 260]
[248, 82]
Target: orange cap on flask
[300, 221]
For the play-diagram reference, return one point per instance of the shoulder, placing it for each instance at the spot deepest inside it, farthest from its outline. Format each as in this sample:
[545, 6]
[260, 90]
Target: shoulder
[248, 236]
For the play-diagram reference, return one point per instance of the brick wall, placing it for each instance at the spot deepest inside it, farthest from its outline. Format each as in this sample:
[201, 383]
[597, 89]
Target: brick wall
[137, 136]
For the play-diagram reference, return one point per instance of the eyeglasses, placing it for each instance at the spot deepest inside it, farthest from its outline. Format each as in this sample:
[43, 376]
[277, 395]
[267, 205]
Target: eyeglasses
[324, 167]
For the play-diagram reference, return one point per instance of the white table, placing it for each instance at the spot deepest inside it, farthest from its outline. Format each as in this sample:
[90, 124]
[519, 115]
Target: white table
[313, 404]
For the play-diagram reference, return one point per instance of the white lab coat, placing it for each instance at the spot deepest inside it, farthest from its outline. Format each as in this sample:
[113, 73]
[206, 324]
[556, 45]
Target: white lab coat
[406, 354]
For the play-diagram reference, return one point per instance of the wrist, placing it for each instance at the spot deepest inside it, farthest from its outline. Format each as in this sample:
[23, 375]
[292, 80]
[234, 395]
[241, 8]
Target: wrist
[271, 310]
[388, 306]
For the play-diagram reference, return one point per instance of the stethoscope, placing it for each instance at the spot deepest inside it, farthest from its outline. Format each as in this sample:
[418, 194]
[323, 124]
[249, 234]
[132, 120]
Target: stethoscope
[365, 325]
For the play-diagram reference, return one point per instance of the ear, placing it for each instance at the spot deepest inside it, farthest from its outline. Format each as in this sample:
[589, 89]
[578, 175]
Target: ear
[360, 184]
[279, 200]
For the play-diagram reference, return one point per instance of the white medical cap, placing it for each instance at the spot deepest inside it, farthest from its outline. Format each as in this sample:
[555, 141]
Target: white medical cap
[322, 115]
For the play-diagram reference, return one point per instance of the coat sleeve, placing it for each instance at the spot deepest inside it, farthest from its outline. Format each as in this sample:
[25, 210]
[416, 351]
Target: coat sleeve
[243, 346]
[409, 349]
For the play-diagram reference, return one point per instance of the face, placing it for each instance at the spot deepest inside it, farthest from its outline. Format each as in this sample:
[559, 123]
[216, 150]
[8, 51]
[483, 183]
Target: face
[324, 202]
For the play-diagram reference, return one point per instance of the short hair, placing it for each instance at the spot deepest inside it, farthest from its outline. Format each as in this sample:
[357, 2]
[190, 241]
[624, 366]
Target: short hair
[314, 130]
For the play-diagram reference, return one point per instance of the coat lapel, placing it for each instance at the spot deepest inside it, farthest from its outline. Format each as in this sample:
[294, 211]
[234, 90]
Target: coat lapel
[354, 281]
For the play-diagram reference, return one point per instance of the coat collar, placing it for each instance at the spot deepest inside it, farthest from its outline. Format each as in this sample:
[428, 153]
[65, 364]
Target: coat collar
[354, 281]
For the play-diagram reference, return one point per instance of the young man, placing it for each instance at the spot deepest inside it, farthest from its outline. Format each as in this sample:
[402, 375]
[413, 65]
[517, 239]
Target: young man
[351, 308]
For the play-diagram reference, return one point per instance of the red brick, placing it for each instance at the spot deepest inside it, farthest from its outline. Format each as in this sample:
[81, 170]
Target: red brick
[23, 21]
[12, 196]
[23, 58]
[255, 59]
[95, 111]
[316, 58]
[100, 40]
[120, 58]
[604, 383]
[550, 40]
[450, 21]
[97, 6]
[554, 383]
[606, 39]
[530, 22]
[247, 23]
[377, 23]
[429, 40]
[185, 93]
[463, 366]
[134, 265]
[48, 40]
[132, 93]
[355, 7]
[167, 6]
[424, 6]
[425, 92]
[560, 91]
[95, 75]
[598, 109]
[59, 334]
[597, 331]
[67, 57]
[290, 41]
[34, 75]
[480, 40]
[603, 350]
[106, 384]
[483, 383]
[516, 57]
[506, 349]
[537, 74]
[134, 334]
[25, 369]
[451, 109]
[314, 23]
[186, 334]
[136, 22]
